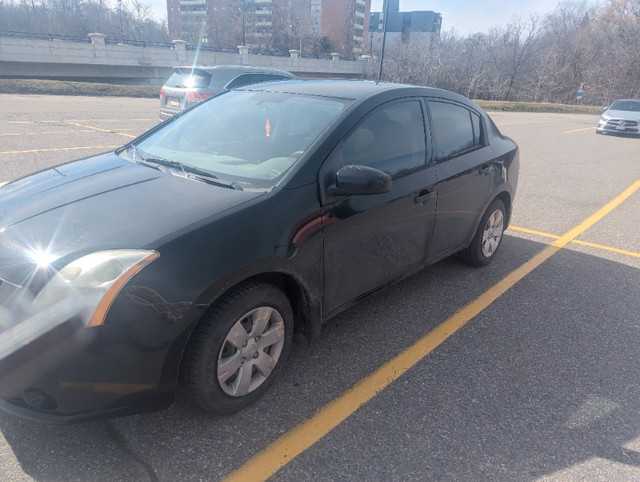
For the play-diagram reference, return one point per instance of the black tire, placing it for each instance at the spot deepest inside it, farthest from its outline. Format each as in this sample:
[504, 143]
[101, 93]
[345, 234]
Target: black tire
[488, 237]
[238, 348]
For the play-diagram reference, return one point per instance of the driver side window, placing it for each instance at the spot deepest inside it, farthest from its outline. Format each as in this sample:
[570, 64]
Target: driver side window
[391, 139]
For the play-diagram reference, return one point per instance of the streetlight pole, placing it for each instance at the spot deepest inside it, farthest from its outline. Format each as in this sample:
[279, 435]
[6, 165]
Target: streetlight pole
[243, 37]
[120, 14]
[384, 37]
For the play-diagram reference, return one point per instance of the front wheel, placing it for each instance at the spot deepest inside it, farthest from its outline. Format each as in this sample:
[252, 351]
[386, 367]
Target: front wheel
[238, 348]
[488, 237]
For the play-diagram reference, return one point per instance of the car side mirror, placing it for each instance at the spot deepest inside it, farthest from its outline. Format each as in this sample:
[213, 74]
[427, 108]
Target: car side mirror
[356, 179]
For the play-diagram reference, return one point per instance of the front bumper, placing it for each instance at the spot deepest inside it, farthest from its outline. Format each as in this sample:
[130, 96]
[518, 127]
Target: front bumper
[618, 126]
[17, 407]
[76, 374]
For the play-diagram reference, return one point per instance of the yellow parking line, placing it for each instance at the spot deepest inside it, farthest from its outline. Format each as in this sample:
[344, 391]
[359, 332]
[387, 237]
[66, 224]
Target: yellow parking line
[43, 133]
[58, 149]
[580, 130]
[29, 122]
[78, 120]
[114, 120]
[531, 231]
[289, 446]
[100, 130]
[577, 241]
[608, 248]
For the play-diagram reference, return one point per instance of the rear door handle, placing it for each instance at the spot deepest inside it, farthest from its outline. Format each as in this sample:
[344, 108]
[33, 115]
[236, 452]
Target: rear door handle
[423, 196]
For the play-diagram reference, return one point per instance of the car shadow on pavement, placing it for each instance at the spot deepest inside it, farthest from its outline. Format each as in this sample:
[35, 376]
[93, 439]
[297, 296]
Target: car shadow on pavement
[543, 381]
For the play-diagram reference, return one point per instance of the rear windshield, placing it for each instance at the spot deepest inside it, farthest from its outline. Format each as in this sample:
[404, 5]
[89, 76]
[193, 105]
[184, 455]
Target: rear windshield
[247, 79]
[189, 79]
[631, 105]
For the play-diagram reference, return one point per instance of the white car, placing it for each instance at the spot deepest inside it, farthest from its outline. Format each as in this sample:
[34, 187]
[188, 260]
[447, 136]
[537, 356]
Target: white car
[621, 117]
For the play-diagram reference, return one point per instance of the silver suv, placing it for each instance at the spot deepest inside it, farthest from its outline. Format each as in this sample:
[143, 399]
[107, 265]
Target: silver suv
[189, 85]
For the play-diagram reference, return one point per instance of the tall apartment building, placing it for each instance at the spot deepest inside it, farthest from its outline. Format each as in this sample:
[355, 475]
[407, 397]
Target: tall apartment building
[401, 26]
[310, 25]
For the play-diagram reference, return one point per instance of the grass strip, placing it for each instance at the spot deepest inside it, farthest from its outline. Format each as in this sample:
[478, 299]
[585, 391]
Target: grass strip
[63, 87]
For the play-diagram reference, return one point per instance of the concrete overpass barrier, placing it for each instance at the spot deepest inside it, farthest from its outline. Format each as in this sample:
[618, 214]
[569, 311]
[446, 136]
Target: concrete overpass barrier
[96, 57]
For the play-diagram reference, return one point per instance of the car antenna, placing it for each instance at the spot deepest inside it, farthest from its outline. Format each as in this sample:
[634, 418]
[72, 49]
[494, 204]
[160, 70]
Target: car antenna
[384, 37]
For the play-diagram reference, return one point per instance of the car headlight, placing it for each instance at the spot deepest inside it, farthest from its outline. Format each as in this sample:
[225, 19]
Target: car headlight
[90, 284]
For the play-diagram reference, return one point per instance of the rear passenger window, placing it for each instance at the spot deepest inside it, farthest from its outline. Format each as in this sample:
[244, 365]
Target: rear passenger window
[391, 139]
[454, 129]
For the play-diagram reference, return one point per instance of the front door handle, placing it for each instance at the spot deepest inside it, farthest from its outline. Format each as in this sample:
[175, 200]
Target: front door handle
[423, 196]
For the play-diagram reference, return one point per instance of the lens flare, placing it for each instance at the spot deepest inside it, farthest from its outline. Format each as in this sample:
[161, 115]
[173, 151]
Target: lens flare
[42, 258]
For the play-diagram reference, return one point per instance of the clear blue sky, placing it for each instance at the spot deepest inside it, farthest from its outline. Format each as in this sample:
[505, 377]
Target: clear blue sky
[464, 16]
[470, 16]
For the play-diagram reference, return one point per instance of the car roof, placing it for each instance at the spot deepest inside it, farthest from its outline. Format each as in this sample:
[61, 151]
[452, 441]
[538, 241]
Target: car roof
[350, 89]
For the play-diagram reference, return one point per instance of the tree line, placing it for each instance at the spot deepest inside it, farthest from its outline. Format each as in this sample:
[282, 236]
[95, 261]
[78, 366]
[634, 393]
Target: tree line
[124, 19]
[536, 59]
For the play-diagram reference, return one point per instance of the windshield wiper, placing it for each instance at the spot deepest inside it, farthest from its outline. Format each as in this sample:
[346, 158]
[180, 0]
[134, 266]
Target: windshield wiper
[190, 172]
[136, 157]
[202, 175]
[213, 180]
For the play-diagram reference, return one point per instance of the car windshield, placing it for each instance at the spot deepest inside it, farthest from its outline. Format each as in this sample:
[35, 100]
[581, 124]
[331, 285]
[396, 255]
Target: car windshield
[630, 105]
[250, 138]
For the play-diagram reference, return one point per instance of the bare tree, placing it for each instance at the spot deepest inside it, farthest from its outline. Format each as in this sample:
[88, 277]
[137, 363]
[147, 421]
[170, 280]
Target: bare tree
[512, 50]
[80, 17]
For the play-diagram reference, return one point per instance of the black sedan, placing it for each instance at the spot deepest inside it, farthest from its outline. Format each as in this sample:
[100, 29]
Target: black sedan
[199, 251]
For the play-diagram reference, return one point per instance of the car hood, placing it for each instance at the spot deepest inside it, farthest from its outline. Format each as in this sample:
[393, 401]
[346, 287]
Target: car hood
[103, 202]
[623, 114]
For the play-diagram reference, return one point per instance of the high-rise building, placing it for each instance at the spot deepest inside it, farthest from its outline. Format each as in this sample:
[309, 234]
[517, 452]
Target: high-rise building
[313, 26]
[345, 24]
[401, 26]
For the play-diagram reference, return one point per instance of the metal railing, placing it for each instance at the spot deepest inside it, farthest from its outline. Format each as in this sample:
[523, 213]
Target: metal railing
[139, 43]
[44, 36]
[209, 48]
[168, 45]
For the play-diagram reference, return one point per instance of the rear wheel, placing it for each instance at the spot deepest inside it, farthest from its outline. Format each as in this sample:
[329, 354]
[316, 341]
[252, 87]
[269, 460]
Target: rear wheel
[238, 348]
[488, 237]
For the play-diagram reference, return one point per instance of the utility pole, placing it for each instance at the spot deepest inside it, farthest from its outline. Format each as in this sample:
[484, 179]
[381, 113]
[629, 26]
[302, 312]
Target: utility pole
[243, 38]
[120, 14]
[384, 37]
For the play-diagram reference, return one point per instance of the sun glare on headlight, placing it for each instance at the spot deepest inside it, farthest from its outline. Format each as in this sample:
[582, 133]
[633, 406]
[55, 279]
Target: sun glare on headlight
[93, 281]
[42, 258]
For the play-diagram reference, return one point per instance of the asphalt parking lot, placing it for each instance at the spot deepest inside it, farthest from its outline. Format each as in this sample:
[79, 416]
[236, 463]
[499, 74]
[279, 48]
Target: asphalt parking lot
[524, 370]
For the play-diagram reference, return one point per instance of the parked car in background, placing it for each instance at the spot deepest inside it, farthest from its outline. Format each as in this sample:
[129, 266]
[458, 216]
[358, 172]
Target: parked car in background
[621, 117]
[190, 85]
[195, 252]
